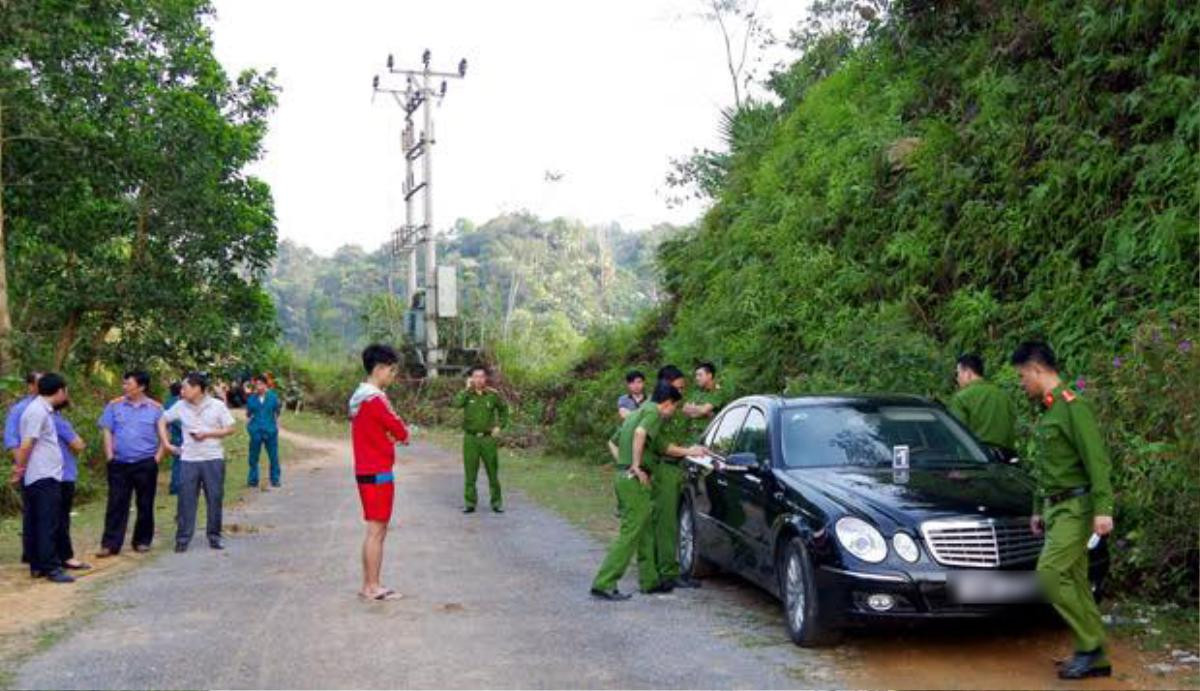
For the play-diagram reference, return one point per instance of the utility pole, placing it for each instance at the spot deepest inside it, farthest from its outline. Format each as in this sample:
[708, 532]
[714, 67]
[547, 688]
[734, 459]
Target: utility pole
[419, 92]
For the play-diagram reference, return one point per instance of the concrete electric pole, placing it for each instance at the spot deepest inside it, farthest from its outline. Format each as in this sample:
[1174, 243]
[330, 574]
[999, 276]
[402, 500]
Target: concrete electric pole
[419, 92]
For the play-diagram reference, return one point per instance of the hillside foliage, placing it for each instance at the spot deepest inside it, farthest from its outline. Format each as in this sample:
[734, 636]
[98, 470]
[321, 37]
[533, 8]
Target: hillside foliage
[958, 177]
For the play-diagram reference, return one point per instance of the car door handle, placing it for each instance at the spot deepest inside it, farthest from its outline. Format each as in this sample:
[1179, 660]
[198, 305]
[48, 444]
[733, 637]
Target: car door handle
[753, 478]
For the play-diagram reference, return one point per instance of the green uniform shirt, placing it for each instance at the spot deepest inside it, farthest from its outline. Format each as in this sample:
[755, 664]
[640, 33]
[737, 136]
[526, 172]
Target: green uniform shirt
[647, 418]
[683, 430]
[696, 425]
[1069, 451]
[481, 411]
[988, 412]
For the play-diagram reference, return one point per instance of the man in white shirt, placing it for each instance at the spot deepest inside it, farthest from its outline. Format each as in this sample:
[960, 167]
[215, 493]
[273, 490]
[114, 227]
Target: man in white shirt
[206, 421]
[39, 467]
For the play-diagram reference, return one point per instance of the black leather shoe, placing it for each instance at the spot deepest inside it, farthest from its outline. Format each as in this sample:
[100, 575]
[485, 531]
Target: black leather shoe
[34, 573]
[59, 576]
[468, 509]
[685, 582]
[660, 589]
[216, 544]
[180, 547]
[497, 509]
[1086, 665]
[610, 595]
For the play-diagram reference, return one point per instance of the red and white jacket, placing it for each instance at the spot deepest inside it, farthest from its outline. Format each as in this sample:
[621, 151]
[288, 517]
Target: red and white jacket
[375, 430]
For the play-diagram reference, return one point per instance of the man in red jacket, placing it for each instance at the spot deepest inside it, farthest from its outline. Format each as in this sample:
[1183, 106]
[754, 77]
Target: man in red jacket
[375, 429]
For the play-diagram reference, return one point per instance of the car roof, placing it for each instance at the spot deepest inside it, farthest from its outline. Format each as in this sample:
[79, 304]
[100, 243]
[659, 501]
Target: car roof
[836, 398]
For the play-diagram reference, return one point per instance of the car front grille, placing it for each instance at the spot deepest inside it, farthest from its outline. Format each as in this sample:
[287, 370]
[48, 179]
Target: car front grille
[981, 543]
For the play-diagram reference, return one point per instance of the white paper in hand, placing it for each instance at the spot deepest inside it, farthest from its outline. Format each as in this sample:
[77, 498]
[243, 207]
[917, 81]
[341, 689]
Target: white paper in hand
[705, 462]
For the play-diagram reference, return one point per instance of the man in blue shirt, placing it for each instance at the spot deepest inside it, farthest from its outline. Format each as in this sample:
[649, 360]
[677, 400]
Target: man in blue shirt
[262, 411]
[12, 440]
[130, 427]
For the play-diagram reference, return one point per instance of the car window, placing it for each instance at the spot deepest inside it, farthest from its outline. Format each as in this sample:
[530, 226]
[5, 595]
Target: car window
[865, 434]
[753, 438]
[722, 435]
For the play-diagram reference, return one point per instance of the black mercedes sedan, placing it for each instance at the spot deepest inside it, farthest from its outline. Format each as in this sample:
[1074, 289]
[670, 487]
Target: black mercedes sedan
[856, 509]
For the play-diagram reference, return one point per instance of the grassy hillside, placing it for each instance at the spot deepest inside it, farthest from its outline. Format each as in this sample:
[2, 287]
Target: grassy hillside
[963, 177]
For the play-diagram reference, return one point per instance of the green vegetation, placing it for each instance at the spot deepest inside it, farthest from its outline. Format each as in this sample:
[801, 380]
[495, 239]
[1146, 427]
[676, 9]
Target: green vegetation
[131, 233]
[956, 176]
[529, 289]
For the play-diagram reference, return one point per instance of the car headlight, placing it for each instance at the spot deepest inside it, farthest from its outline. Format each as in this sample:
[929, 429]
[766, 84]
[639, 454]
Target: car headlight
[906, 547]
[861, 539]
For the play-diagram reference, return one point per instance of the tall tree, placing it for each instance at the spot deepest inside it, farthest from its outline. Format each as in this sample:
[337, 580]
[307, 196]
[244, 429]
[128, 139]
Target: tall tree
[132, 229]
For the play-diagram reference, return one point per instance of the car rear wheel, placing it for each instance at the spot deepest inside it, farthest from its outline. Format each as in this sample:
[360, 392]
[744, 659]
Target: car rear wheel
[691, 563]
[801, 610]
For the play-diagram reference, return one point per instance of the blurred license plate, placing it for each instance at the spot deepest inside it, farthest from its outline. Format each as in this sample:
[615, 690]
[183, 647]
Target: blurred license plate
[992, 587]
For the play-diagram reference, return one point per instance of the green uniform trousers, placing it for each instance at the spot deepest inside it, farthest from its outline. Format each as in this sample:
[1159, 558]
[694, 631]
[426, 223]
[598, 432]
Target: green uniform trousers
[1062, 570]
[476, 449]
[665, 490]
[633, 503]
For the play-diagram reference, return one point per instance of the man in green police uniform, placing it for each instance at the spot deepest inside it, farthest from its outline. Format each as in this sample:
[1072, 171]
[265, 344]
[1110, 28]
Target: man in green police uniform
[983, 407]
[635, 445]
[705, 402]
[667, 488]
[1074, 499]
[484, 414]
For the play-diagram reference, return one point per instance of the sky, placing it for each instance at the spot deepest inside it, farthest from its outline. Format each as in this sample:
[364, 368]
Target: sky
[603, 93]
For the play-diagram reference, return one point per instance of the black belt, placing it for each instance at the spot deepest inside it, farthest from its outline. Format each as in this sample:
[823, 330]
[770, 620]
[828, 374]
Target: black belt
[375, 478]
[1060, 497]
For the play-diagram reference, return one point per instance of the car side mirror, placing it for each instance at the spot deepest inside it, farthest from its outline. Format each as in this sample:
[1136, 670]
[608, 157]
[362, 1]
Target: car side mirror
[741, 461]
[998, 454]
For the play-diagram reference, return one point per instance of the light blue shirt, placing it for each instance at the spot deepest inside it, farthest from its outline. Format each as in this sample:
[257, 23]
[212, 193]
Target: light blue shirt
[45, 458]
[134, 428]
[12, 424]
[66, 436]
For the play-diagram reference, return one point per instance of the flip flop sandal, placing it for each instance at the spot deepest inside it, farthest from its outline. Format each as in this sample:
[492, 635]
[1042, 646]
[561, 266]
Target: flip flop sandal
[383, 595]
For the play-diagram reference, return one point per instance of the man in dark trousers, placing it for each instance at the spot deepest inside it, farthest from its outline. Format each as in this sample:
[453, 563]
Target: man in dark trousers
[39, 469]
[12, 440]
[130, 427]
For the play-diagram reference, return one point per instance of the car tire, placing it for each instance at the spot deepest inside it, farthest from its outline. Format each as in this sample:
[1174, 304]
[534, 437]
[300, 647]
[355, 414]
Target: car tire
[802, 615]
[691, 562]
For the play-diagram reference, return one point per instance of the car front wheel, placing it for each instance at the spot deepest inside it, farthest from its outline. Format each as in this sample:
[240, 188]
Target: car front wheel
[801, 609]
[691, 564]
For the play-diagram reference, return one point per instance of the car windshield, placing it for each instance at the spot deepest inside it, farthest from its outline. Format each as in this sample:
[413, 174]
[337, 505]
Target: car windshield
[867, 434]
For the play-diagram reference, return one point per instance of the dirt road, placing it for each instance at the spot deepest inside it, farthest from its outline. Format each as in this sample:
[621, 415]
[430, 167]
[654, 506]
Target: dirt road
[491, 602]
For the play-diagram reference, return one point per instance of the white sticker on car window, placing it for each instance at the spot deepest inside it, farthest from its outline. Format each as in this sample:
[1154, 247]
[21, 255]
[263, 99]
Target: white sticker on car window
[900, 457]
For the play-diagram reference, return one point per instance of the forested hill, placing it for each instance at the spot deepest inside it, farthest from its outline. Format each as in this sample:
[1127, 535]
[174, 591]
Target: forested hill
[527, 284]
[957, 176]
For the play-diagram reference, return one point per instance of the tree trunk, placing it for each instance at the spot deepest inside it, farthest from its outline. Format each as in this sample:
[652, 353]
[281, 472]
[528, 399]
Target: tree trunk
[6, 359]
[66, 339]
